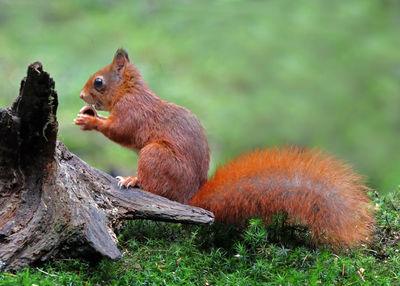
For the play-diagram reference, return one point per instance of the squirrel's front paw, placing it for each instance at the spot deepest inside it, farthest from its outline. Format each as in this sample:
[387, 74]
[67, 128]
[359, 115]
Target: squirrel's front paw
[128, 182]
[86, 122]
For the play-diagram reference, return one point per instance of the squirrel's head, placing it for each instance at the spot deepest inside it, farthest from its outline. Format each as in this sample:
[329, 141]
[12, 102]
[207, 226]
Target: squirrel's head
[101, 87]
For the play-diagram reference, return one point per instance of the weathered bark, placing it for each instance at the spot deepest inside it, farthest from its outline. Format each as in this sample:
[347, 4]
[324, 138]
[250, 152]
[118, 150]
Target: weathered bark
[53, 203]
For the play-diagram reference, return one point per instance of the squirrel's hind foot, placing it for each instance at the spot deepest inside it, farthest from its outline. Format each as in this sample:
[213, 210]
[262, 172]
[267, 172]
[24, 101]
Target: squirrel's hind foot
[128, 182]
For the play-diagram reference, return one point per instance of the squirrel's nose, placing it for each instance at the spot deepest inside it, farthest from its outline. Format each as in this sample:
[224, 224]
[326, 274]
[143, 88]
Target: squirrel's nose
[81, 95]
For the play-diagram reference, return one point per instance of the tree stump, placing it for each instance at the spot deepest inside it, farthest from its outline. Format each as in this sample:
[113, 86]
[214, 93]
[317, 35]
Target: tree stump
[51, 202]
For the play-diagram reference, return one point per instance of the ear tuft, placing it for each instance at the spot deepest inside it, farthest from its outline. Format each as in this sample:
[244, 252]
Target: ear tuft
[121, 58]
[122, 52]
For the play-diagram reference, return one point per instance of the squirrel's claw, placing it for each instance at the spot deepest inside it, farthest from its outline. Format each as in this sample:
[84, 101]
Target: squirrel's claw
[127, 181]
[120, 179]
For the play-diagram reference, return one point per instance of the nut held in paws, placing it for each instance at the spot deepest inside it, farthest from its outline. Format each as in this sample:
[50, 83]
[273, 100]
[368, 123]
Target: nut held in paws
[88, 110]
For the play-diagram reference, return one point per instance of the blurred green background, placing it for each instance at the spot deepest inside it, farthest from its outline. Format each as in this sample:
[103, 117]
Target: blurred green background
[322, 74]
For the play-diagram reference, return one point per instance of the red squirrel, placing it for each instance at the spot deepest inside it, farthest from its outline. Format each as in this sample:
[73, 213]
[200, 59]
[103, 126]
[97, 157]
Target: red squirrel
[313, 189]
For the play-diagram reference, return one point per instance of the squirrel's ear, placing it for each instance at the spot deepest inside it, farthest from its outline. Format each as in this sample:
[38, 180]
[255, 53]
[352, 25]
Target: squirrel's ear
[120, 59]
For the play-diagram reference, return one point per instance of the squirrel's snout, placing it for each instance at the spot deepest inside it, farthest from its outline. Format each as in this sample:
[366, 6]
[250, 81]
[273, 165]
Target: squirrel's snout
[81, 95]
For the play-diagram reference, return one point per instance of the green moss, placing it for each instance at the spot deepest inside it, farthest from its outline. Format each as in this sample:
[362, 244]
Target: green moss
[162, 253]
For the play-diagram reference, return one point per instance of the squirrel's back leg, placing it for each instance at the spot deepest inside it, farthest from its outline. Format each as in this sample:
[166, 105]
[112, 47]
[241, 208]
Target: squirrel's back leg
[160, 171]
[128, 181]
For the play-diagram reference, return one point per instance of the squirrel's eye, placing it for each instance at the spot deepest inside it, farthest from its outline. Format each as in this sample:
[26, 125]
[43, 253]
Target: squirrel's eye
[98, 82]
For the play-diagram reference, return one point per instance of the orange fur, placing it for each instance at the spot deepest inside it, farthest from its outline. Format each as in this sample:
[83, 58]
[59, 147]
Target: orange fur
[315, 190]
[173, 150]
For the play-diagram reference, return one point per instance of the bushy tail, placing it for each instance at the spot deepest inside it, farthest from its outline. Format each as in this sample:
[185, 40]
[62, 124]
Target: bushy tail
[314, 190]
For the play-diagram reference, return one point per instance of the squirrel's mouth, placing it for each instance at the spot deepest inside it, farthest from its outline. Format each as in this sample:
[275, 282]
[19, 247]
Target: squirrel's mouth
[99, 106]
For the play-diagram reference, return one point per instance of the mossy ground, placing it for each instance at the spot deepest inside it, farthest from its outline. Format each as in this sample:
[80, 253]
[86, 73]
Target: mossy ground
[172, 254]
